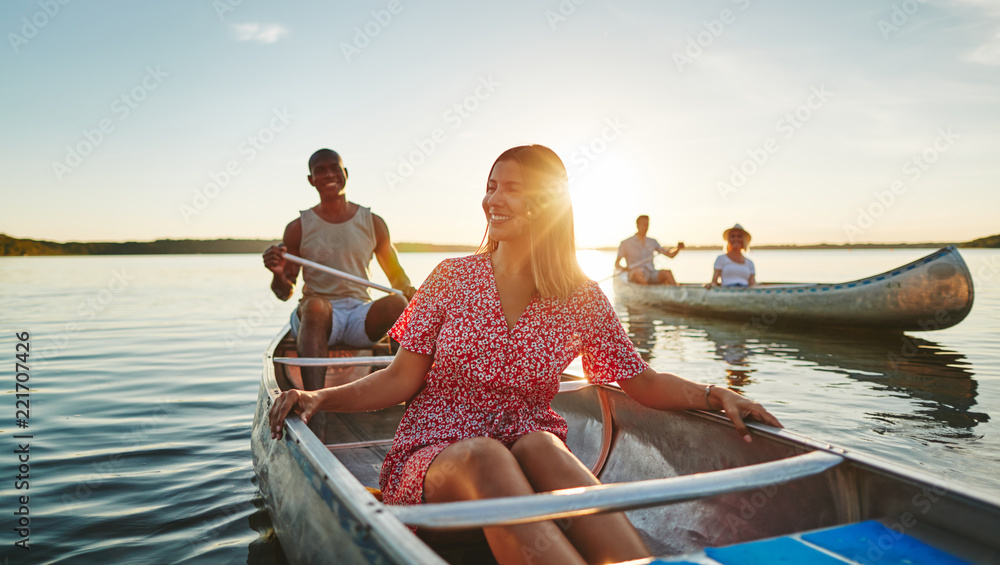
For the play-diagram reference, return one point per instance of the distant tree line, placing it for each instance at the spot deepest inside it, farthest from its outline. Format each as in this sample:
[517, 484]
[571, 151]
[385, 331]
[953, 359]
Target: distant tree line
[14, 246]
[991, 241]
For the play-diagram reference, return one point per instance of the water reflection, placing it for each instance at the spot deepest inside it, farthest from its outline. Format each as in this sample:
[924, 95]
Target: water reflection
[266, 549]
[937, 379]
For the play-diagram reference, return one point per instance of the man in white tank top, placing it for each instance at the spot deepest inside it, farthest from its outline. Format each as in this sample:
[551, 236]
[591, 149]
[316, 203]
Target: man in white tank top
[345, 236]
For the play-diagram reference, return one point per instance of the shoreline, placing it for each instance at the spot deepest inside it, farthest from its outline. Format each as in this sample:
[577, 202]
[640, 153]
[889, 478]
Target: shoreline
[14, 247]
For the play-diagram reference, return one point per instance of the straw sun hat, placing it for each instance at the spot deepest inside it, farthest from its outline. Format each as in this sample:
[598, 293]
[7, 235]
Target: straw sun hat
[737, 227]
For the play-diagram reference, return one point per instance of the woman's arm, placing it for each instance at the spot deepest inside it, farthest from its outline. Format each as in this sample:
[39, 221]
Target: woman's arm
[665, 391]
[753, 280]
[397, 383]
[715, 278]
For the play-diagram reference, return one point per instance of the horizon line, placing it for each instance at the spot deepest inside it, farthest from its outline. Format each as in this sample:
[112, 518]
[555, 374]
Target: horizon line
[597, 247]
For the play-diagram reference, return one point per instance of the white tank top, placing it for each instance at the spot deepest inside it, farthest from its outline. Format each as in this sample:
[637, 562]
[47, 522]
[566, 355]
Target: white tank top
[348, 247]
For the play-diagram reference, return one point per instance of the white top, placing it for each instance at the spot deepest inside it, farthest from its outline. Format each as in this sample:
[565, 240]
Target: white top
[733, 273]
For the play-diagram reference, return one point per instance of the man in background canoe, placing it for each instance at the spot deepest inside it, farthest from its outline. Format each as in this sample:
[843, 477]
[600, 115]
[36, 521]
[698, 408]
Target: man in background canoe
[342, 235]
[638, 254]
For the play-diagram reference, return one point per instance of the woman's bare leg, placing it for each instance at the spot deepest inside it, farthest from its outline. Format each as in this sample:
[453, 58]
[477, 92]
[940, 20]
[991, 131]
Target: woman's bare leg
[479, 468]
[549, 465]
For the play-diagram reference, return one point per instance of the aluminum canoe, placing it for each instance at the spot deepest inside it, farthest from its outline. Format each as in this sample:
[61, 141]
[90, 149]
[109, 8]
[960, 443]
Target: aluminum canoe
[931, 293]
[689, 484]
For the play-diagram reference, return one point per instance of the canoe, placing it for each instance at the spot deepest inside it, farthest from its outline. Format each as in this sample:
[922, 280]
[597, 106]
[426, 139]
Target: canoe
[695, 491]
[931, 293]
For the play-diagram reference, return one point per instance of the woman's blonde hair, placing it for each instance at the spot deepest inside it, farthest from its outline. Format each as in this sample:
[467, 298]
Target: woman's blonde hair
[553, 243]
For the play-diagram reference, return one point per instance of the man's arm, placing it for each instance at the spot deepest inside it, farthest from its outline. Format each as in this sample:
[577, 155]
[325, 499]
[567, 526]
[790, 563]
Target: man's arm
[673, 251]
[388, 260]
[621, 255]
[284, 273]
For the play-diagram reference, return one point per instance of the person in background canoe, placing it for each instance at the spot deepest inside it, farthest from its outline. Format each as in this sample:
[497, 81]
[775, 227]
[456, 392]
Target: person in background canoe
[732, 268]
[343, 235]
[482, 346]
[638, 254]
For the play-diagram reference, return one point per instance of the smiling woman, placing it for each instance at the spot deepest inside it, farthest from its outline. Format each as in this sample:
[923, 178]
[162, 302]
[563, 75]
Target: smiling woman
[527, 203]
[482, 345]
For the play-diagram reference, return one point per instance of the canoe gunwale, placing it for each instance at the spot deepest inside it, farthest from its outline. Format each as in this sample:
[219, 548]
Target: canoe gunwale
[867, 462]
[351, 507]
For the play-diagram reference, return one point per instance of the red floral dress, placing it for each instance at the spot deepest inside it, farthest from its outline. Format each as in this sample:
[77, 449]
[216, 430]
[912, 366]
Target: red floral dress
[488, 380]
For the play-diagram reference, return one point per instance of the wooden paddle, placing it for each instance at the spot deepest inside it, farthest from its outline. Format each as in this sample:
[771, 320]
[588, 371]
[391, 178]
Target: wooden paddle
[341, 274]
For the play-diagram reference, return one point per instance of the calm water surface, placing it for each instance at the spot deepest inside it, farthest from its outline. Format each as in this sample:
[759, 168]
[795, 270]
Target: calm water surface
[144, 373]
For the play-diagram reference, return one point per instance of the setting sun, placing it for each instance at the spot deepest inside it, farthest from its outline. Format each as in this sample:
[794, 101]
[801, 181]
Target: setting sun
[606, 198]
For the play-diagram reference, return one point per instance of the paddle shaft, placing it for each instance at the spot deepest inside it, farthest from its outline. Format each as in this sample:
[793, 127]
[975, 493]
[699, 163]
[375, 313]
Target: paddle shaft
[637, 265]
[341, 274]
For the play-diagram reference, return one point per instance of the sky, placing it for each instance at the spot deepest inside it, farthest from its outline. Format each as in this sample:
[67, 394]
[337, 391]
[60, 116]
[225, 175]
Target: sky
[806, 122]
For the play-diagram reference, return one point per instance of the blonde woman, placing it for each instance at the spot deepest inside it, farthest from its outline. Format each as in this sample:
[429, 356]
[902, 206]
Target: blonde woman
[733, 268]
[482, 345]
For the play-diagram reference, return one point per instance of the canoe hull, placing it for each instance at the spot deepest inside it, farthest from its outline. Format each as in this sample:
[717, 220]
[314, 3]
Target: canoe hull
[322, 513]
[931, 293]
[319, 511]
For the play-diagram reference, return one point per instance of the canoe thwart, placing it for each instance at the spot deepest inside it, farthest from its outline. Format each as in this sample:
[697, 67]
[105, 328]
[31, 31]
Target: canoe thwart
[378, 361]
[611, 497]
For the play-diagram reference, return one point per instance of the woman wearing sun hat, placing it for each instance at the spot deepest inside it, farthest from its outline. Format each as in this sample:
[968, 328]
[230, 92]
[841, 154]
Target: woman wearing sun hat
[733, 268]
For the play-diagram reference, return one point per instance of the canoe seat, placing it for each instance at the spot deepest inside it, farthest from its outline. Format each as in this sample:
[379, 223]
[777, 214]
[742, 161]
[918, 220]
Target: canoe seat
[288, 342]
[377, 493]
[862, 542]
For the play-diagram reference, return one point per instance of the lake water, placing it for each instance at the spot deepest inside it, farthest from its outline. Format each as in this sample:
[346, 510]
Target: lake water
[144, 373]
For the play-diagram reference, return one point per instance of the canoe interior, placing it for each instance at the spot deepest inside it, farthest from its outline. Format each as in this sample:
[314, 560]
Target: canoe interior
[649, 444]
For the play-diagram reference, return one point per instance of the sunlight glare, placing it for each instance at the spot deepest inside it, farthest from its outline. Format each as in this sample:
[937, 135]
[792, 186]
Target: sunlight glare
[605, 199]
